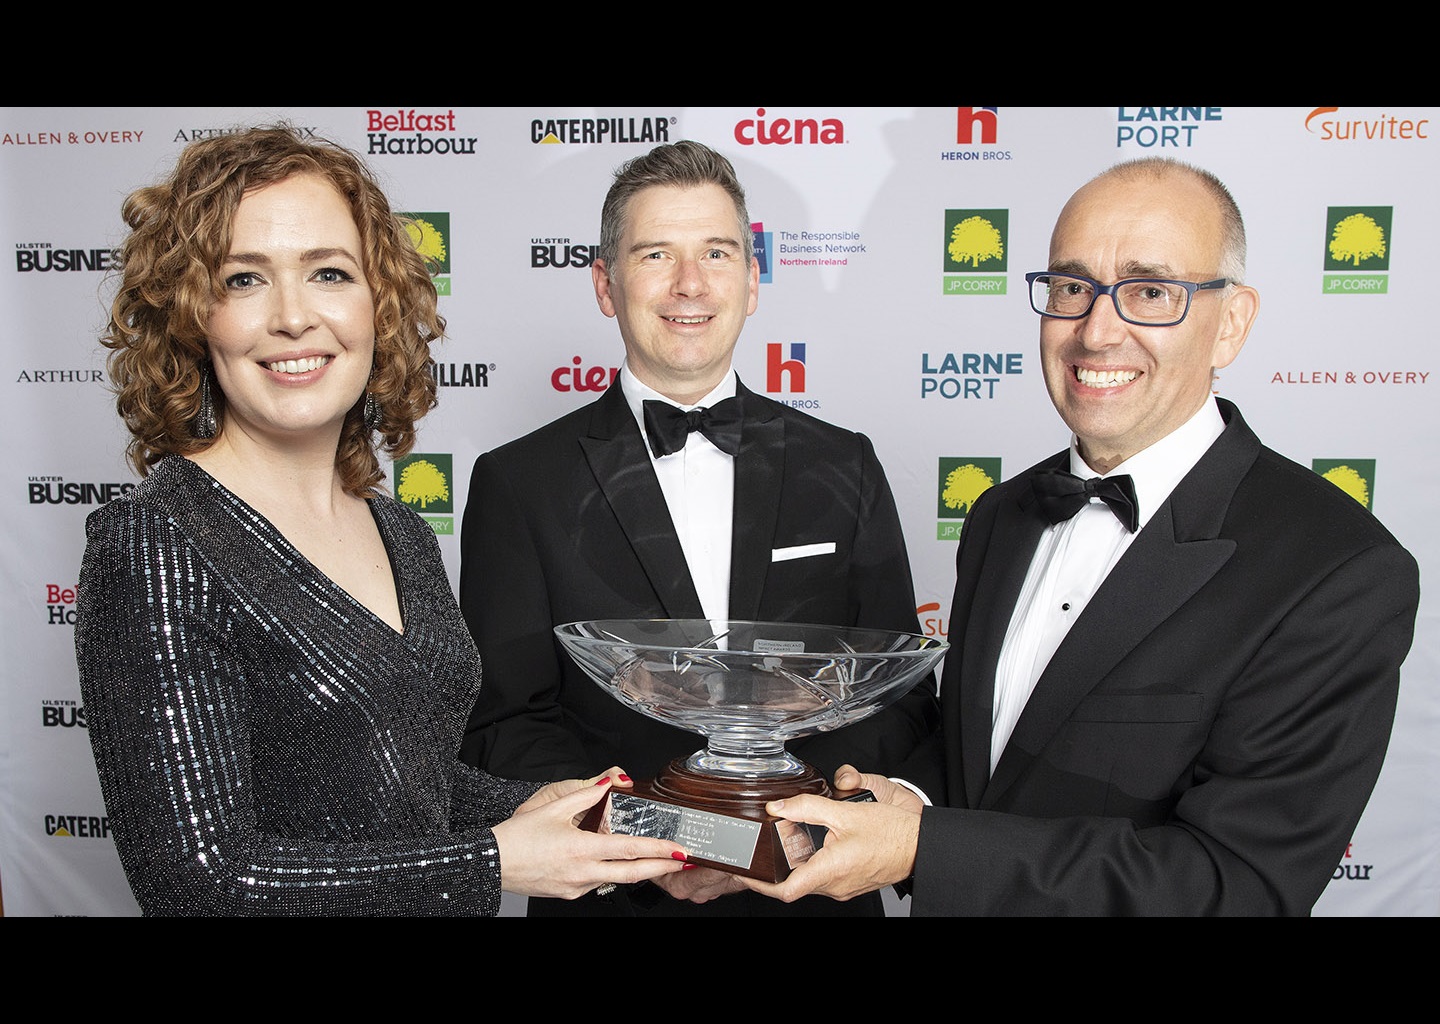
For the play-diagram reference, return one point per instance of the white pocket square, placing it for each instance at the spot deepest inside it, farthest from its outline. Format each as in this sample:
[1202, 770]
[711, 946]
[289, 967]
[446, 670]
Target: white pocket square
[802, 551]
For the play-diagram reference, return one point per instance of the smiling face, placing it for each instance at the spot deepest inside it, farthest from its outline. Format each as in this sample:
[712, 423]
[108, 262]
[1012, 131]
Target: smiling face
[1121, 387]
[681, 288]
[293, 338]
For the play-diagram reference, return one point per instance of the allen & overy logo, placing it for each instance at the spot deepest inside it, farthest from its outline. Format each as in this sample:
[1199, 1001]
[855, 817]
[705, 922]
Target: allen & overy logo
[421, 133]
[762, 250]
[557, 131]
[1163, 127]
[427, 484]
[975, 252]
[1356, 477]
[976, 126]
[1382, 128]
[960, 481]
[1357, 244]
[430, 234]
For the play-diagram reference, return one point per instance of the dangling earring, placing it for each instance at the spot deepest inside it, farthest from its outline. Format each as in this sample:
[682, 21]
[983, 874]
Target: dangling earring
[203, 426]
[372, 411]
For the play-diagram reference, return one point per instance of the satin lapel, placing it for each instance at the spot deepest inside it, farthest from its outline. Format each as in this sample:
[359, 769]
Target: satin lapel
[759, 472]
[1175, 554]
[1007, 555]
[617, 456]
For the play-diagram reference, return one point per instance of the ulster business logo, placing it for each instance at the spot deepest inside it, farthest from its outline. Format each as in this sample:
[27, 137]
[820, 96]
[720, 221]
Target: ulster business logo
[427, 484]
[975, 257]
[1356, 477]
[430, 234]
[62, 714]
[961, 481]
[44, 258]
[1357, 241]
[558, 253]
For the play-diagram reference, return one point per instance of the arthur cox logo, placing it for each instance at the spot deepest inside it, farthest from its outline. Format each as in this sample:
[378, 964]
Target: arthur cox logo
[975, 251]
[961, 481]
[762, 250]
[1357, 238]
[1163, 127]
[427, 484]
[1356, 477]
[430, 234]
[1343, 128]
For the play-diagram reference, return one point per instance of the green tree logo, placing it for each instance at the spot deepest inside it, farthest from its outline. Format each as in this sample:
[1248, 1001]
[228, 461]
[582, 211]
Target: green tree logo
[428, 233]
[423, 483]
[975, 237]
[962, 480]
[1356, 477]
[1358, 237]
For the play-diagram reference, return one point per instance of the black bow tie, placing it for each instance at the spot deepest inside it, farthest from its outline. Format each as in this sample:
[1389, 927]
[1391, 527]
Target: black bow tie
[1062, 494]
[667, 426]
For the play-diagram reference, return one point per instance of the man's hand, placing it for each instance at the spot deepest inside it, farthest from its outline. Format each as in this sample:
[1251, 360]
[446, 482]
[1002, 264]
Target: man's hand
[700, 885]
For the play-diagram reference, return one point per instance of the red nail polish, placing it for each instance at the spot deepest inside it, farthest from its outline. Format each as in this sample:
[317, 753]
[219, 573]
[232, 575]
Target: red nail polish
[687, 866]
[677, 855]
[623, 777]
[603, 781]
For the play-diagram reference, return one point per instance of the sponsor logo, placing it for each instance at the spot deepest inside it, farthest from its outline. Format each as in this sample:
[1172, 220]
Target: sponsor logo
[430, 234]
[976, 126]
[779, 370]
[1349, 872]
[427, 484]
[786, 131]
[44, 257]
[1357, 243]
[1350, 377]
[1381, 128]
[462, 375]
[968, 374]
[762, 250]
[53, 490]
[591, 130]
[60, 604]
[819, 248]
[1356, 477]
[91, 137]
[62, 714]
[961, 481]
[415, 133]
[80, 826]
[975, 252]
[183, 135]
[1163, 127]
[932, 624]
[61, 377]
[578, 377]
[560, 253]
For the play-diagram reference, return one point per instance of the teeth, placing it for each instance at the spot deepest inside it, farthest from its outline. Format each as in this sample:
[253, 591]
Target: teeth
[298, 365]
[688, 319]
[1105, 378]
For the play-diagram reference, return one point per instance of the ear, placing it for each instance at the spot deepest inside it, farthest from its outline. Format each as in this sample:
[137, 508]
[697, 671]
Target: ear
[754, 301]
[600, 278]
[1241, 307]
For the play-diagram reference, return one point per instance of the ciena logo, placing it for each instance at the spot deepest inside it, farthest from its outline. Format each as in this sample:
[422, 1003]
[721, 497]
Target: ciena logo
[781, 131]
[778, 367]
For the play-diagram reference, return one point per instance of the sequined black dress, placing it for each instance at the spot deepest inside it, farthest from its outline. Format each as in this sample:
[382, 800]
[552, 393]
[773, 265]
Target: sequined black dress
[265, 744]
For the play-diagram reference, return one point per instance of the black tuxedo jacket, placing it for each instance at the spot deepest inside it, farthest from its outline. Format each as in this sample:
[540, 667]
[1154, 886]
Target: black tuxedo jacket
[1207, 735]
[569, 523]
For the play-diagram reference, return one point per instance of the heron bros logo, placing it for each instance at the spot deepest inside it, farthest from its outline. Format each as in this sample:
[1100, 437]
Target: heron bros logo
[974, 254]
[1356, 477]
[430, 234]
[1357, 243]
[961, 480]
[427, 484]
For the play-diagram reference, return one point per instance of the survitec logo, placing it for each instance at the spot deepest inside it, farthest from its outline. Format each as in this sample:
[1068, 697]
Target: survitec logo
[1163, 127]
[427, 484]
[430, 234]
[557, 131]
[1357, 241]
[976, 126]
[415, 133]
[1348, 127]
[931, 625]
[974, 256]
[1356, 477]
[45, 257]
[961, 481]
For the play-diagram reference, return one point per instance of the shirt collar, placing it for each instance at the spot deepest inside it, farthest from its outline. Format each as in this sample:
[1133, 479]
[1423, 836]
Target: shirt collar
[637, 392]
[1157, 469]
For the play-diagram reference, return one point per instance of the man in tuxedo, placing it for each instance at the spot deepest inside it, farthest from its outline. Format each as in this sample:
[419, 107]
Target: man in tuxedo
[753, 511]
[1177, 700]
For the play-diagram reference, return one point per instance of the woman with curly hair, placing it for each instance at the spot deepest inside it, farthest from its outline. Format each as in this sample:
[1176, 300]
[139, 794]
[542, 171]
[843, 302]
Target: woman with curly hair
[275, 673]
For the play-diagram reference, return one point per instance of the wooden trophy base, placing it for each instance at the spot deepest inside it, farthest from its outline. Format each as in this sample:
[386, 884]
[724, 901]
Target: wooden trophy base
[721, 821]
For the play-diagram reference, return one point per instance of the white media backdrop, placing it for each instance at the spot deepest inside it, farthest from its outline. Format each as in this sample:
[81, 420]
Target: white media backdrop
[869, 316]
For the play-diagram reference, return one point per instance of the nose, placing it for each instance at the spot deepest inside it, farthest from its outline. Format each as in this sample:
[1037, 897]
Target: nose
[1102, 326]
[689, 278]
[291, 311]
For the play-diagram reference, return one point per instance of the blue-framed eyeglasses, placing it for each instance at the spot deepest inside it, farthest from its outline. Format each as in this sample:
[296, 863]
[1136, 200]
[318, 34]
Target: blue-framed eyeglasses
[1145, 301]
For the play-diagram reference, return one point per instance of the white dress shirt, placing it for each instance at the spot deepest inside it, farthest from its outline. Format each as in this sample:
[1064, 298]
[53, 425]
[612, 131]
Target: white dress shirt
[699, 487]
[1074, 557]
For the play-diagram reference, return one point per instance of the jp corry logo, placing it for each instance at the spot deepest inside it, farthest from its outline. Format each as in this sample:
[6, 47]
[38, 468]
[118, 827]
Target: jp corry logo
[427, 484]
[975, 255]
[960, 481]
[430, 234]
[1357, 245]
[1356, 477]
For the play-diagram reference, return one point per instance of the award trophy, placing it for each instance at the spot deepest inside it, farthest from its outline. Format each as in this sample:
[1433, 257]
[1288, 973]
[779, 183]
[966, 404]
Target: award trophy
[747, 687]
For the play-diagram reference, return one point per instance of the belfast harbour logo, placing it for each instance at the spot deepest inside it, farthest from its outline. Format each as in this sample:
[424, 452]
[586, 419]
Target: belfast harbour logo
[415, 133]
[426, 483]
[975, 252]
[960, 481]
